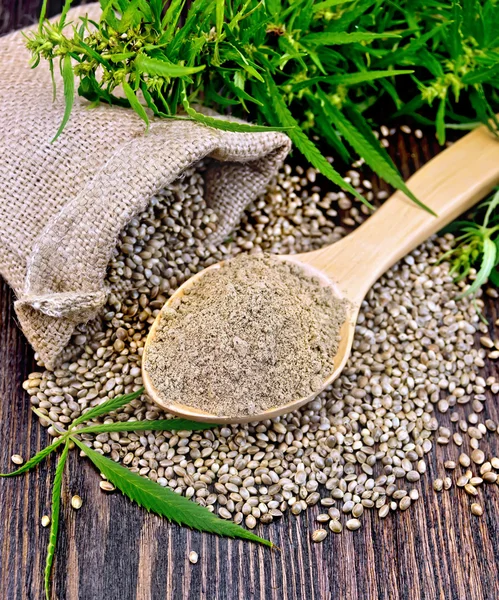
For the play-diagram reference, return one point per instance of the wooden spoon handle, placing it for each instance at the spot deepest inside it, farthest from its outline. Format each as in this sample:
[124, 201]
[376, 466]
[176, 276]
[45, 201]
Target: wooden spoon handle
[449, 184]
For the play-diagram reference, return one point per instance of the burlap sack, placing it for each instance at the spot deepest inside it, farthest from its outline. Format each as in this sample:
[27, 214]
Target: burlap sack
[62, 205]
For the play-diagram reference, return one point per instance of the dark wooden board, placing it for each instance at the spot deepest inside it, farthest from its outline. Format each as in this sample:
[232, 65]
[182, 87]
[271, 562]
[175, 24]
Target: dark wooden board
[112, 550]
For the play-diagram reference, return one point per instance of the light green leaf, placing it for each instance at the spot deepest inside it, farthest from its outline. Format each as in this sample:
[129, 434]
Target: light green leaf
[153, 66]
[54, 524]
[107, 406]
[160, 425]
[52, 79]
[69, 91]
[333, 38]
[64, 13]
[135, 104]
[32, 462]
[488, 263]
[440, 122]
[171, 17]
[492, 204]
[220, 8]
[43, 15]
[164, 502]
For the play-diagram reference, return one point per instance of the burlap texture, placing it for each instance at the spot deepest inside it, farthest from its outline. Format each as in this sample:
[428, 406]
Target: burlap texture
[62, 205]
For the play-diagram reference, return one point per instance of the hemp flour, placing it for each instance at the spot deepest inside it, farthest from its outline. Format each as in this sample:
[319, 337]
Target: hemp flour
[254, 334]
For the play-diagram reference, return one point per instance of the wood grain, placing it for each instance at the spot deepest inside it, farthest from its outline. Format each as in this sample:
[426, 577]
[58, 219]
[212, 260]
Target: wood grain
[113, 550]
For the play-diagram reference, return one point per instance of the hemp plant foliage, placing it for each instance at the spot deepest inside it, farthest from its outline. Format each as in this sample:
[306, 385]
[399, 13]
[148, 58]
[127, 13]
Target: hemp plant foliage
[146, 493]
[316, 69]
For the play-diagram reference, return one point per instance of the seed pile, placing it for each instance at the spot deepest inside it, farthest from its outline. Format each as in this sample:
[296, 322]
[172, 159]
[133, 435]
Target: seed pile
[248, 336]
[362, 443]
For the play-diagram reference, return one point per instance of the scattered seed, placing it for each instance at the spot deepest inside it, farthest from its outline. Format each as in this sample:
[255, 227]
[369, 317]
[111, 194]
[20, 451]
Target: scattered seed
[17, 459]
[490, 477]
[450, 464]
[486, 342]
[476, 509]
[319, 535]
[405, 503]
[250, 522]
[334, 513]
[447, 483]
[477, 456]
[413, 476]
[336, 526]
[464, 460]
[462, 481]
[323, 518]
[45, 521]
[471, 489]
[76, 502]
[353, 524]
[295, 215]
[107, 486]
[193, 557]
[485, 468]
[438, 485]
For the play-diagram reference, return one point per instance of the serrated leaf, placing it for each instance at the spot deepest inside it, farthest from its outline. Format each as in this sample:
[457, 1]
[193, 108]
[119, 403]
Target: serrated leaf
[54, 519]
[33, 461]
[158, 425]
[157, 10]
[172, 16]
[486, 266]
[131, 17]
[164, 502]
[373, 158]
[331, 136]
[107, 407]
[223, 124]
[152, 66]
[64, 13]
[134, 103]
[332, 38]
[305, 145]
[69, 90]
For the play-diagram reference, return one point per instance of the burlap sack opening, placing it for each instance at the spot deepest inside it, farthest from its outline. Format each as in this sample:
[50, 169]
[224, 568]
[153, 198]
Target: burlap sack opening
[64, 204]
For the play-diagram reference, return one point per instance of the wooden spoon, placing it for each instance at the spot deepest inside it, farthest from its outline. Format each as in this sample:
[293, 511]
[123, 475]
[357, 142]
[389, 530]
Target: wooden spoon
[450, 184]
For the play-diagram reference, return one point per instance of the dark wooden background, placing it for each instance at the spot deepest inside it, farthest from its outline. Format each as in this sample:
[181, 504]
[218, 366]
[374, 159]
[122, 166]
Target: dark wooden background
[113, 550]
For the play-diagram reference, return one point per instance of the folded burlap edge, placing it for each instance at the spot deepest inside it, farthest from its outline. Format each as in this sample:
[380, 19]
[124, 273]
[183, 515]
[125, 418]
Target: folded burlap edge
[65, 278]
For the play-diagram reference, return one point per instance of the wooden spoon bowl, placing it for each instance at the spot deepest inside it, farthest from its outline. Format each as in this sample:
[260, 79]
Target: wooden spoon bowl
[449, 184]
